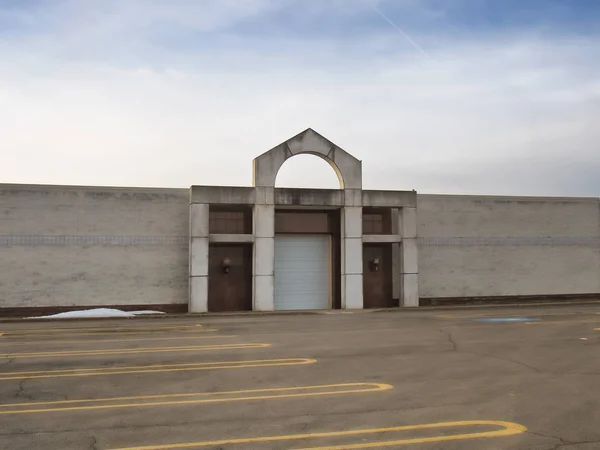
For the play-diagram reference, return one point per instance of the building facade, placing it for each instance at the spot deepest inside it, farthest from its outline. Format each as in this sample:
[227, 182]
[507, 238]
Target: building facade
[267, 248]
[217, 248]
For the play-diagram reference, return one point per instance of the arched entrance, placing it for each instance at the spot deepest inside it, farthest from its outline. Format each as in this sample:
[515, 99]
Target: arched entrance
[283, 243]
[248, 220]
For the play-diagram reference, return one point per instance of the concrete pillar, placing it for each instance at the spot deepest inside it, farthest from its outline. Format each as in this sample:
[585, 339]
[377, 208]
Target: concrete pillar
[352, 259]
[409, 258]
[263, 270]
[397, 272]
[396, 260]
[198, 271]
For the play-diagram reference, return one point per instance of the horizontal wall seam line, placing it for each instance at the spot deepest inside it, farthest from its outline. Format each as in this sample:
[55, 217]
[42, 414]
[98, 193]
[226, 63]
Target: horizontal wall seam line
[511, 241]
[126, 240]
[82, 240]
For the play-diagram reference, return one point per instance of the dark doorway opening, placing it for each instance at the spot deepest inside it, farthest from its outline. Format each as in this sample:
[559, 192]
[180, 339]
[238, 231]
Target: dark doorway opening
[230, 277]
[377, 276]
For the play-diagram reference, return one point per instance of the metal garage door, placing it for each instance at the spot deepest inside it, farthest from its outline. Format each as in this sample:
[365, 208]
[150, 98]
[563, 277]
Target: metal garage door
[302, 272]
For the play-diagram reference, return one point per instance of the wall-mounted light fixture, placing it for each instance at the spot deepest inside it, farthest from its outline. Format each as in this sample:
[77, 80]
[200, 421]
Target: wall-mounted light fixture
[226, 264]
[375, 264]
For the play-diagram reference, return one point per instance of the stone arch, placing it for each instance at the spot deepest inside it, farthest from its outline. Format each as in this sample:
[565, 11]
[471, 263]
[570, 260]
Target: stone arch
[307, 171]
[347, 168]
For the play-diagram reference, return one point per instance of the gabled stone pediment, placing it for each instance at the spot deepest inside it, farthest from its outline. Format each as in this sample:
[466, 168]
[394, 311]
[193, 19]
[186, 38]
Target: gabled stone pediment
[347, 167]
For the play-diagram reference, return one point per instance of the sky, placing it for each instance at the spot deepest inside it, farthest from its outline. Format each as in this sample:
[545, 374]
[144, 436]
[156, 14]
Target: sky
[497, 97]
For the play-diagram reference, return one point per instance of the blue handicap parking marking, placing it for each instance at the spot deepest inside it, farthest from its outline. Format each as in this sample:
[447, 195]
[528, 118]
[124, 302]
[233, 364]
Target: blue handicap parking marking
[507, 319]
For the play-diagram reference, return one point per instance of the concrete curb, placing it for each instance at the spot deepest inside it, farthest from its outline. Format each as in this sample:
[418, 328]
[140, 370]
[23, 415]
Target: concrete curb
[313, 312]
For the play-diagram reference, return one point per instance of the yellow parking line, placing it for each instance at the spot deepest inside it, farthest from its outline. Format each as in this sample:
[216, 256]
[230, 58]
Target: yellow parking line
[509, 429]
[55, 330]
[127, 333]
[120, 351]
[155, 368]
[101, 341]
[196, 398]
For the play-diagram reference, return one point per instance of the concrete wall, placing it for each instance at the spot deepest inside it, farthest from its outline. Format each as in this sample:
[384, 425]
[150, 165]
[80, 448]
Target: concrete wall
[472, 246]
[89, 246]
[82, 246]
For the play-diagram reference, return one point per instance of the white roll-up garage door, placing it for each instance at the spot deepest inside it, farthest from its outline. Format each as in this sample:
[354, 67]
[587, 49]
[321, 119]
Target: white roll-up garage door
[302, 272]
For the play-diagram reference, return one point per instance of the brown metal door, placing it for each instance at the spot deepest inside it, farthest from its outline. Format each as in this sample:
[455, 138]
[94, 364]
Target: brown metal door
[230, 277]
[377, 276]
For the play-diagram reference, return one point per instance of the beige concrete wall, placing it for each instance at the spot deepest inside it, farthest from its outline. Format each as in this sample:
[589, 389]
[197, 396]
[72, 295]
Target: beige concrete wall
[471, 246]
[65, 246]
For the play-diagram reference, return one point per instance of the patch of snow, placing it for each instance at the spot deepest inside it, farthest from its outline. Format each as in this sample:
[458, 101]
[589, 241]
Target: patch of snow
[96, 313]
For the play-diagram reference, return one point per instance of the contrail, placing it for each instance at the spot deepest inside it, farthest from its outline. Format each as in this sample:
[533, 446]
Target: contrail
[406, 36]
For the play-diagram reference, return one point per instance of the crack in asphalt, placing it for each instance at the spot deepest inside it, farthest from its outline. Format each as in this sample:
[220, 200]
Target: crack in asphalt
[558, 446]
[562, 441]
[580, 373]
[21, 392]
[451, 340]
[7, 362]
[455, 348]
[501, 358]
[93, 443]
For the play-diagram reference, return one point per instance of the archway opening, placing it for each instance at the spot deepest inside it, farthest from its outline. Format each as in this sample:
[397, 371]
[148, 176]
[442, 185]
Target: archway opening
[307, 171]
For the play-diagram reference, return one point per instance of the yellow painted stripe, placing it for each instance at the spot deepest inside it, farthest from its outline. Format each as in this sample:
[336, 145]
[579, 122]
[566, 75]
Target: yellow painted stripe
[508, 429]
[122, 351]
[102, 341]
[126, 333]
[196, 398]
[453, 437]
[87, 329]
[154, 368]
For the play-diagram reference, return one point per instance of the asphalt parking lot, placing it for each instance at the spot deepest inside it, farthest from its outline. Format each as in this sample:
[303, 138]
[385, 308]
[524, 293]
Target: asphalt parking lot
[436, 379]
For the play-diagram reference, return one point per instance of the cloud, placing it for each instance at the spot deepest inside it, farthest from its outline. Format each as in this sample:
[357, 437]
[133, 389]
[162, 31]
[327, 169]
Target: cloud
[182, 93]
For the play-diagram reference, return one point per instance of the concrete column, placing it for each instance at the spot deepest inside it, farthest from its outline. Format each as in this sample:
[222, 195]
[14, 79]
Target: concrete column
[396, 260]
[352, 258]
[263, 270]
[397, 273]
[409, 258]
[198, 271]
